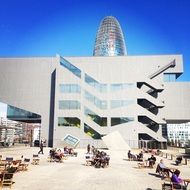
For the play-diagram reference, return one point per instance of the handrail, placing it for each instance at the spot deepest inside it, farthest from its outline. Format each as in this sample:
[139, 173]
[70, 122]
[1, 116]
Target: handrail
[162, 69]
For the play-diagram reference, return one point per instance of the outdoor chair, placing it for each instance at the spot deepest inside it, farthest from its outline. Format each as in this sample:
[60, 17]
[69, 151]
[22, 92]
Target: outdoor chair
[169, 185]
[36, 159]
[141, 165]
[178, 160]
[163, 172]
[50, 159]
[89, 159]
[2, 166]
[7, 179]
[24, 165]
[9, 159]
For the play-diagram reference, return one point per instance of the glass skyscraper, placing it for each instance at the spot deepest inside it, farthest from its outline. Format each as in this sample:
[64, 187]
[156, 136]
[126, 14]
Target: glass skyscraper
[109, 40]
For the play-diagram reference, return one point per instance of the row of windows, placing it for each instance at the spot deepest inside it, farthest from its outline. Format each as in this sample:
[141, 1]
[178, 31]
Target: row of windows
[101, 104]
[175, 135]
[92, 82]
[75, 88]
[69, 104]
[69, 88]
[75, 122]
[103, 87]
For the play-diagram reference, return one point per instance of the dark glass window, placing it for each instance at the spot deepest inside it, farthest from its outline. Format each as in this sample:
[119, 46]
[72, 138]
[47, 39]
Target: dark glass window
[91, 132]
[20, 114]
[120, 120]
[102, 121]
[69, 122]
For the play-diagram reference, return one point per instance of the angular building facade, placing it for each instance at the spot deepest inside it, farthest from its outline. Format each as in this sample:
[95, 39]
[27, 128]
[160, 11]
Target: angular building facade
[109, 40]
[90, 97]
[113, 94]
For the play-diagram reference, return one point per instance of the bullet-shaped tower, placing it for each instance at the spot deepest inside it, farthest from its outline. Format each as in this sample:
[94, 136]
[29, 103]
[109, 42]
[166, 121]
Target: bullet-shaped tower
[109, 40]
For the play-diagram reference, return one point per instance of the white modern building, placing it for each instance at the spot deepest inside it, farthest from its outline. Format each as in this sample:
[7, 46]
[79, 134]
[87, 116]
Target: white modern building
[8, 129]
[179, 133]
[90, 97]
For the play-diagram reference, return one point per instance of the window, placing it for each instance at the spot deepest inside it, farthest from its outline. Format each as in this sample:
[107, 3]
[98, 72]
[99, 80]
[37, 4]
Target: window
[70, 67]
[91, 132]
[102, 121]
[120, 86]
[120, 120]
[69, 104]
[169, 77]
[95, 84]
[121, 103]
[69, 88]
[102, 104]
[68, 122]
[17, 113]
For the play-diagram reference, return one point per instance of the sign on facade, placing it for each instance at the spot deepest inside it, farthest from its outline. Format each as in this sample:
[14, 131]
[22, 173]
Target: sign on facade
[71, 140]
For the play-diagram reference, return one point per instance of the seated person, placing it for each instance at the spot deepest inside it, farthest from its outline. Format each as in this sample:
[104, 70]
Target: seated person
[97, 159]
[66, 150]
[59, 155]
[162, 168]
[158, 152]
[175, 177]
[178, 160]
[71, 151]
[52, 153]
[177, 181]
[152, 161]
[93, 150]
[104, 159]
[107, 159]
[13, 167]
[131, 156]
[140, 156]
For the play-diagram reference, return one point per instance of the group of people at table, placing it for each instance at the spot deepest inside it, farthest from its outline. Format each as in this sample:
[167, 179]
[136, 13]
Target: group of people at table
[57, 154]
[96, 158]
[163, 170]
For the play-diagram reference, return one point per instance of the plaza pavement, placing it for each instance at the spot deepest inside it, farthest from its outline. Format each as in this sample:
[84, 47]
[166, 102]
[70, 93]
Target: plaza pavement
[74, 175]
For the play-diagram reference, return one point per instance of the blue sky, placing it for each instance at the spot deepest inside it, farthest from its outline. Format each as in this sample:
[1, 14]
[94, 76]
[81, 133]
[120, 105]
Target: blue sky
[68, 27]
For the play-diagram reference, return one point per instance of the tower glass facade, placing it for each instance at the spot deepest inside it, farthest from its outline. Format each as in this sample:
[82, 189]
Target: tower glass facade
[109, 39]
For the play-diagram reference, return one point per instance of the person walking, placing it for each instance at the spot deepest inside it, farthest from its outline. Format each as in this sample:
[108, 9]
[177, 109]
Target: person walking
[88, 149]
[41, 147]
